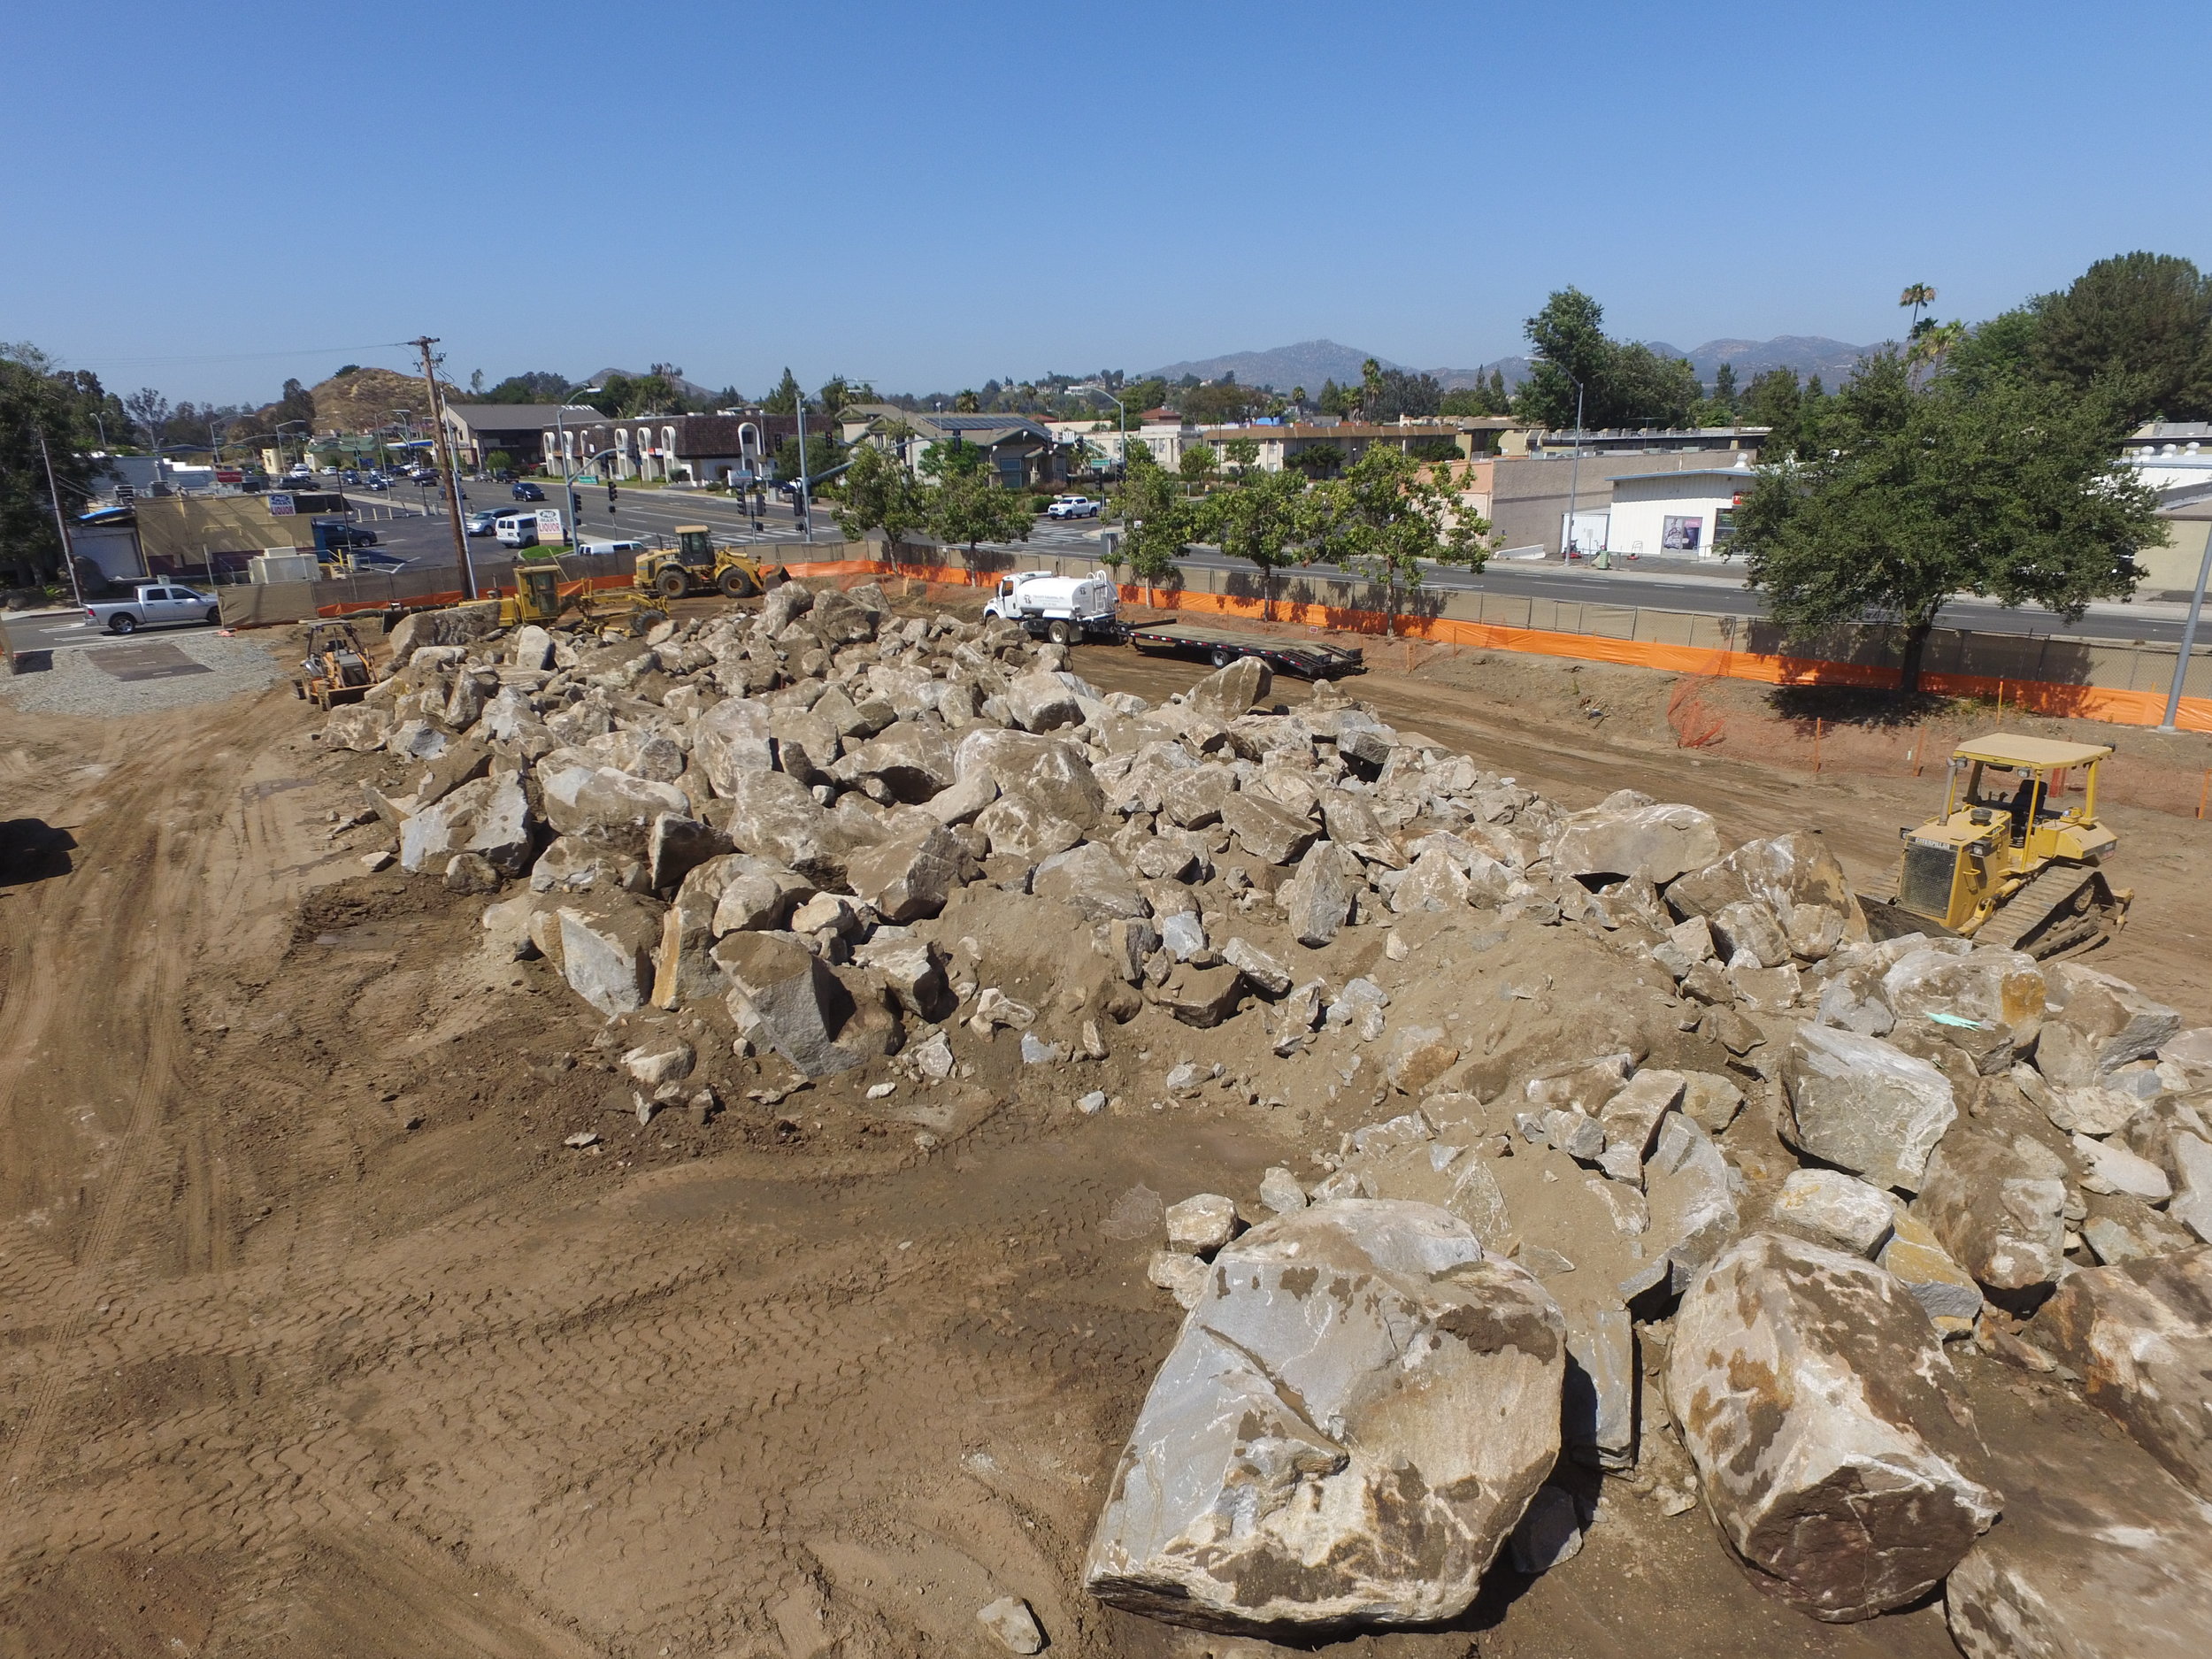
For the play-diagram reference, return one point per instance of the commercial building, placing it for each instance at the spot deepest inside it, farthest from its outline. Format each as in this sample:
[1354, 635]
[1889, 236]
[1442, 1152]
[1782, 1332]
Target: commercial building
[524, 431]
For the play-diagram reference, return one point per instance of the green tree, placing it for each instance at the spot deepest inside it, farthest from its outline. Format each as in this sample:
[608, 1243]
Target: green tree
[1200, 463]
[967, 404]
[2140, 328]
[499, 460]
[836, 392]
[1241, 454]
[1923, 493]
[881, 495]
[1334, 400]
[821, 455]
[1571, 346]
[540, 386]
[1316, 461]
[296, 404]
[785, 399]
[2002, 349]
[1156, 517]
[1370, 383]
[948, 460]
[967, 507]
[1386, 520]
[1263, 519]
[38, 400]
[1487, 396]
[1621, 384]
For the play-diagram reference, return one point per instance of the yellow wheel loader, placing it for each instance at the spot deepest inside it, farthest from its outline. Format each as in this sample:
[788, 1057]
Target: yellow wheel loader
[2014, 860]
[695, 565]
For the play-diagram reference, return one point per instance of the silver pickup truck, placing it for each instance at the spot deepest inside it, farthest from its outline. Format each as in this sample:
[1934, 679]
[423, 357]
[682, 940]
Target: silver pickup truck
[152, 605]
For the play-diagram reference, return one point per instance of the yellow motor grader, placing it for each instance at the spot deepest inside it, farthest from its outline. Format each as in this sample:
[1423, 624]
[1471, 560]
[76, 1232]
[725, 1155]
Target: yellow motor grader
[2006, 864]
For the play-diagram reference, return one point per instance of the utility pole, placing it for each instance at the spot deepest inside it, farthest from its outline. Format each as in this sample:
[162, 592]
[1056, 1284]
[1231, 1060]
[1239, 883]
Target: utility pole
[452, 477]
[2188, 640]
[61, 523]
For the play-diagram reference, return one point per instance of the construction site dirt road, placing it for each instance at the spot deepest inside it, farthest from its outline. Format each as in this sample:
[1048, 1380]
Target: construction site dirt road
[316, 1339]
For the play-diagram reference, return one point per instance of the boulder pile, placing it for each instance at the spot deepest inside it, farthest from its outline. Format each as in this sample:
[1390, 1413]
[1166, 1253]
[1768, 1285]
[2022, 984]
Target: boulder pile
[1661, 1168]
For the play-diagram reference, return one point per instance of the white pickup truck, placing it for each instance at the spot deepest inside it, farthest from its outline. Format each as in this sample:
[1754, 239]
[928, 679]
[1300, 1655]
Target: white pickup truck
[1062, 609]
[152, 605]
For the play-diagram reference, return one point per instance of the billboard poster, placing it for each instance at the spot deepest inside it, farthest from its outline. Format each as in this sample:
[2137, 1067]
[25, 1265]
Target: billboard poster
[281, 505]
[1681, 534]
[548, 524]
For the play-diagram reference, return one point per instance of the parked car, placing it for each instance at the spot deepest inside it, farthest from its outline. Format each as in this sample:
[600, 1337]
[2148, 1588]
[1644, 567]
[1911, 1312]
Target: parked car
[516, 529]
[154, 604]
[376, 481]
[335, 535]
[525, 490]
[349, 476]
[1072, 507]
[481, 523]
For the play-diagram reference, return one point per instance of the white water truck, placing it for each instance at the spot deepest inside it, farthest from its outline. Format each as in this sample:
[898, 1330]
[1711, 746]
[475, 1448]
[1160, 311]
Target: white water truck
[1062, 609]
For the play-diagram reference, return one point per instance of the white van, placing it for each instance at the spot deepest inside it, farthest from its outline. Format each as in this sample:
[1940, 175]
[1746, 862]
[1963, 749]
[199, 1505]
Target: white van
[517, 529]
[631, 547]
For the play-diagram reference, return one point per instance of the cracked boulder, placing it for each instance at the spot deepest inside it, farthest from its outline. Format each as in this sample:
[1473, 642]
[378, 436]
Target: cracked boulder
[1358, 1413]
[1657, 842]
[2139, 1334]
[1865, 1106]
[1830, 1433]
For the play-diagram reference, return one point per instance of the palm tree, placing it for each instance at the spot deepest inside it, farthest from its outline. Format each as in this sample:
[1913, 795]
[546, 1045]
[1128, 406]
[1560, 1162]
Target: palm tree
[1919, 297]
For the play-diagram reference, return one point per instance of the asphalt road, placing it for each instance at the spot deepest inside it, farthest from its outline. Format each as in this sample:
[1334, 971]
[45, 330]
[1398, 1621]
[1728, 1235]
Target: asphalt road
[653, 514]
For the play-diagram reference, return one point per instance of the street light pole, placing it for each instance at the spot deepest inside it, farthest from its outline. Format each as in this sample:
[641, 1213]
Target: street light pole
[806, 499]
[560, 443]
[1574, 480]
[2188, 639]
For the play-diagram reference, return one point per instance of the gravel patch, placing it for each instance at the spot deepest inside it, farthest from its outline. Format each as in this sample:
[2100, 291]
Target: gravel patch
[194, 668]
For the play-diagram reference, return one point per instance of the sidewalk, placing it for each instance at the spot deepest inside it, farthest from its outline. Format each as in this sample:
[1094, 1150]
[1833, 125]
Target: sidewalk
[1730, 573]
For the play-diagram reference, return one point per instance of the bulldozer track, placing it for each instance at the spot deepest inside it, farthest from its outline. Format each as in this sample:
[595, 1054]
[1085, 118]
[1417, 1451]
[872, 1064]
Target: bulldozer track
[2051, 892]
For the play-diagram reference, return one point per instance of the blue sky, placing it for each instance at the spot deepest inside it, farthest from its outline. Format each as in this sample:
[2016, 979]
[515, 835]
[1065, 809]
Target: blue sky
[207, 199]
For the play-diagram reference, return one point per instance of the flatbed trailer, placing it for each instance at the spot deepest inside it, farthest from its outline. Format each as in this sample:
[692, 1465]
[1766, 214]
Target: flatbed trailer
[1308, 659]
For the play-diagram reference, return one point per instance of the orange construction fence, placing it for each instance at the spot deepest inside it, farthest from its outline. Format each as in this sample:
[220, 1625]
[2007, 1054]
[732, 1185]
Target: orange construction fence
[2088, 702]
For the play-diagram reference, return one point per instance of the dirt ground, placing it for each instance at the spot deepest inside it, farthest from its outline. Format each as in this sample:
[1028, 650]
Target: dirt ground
[316, 1339]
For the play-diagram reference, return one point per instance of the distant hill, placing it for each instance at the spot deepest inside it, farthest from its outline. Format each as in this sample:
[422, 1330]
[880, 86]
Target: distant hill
[1307, 364]
[1313, 361]
[363, 400]
[1809, 354]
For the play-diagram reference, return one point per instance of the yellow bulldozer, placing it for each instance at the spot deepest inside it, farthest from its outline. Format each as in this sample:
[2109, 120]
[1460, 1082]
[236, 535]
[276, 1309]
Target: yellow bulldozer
[695, 565]
[2006, 864]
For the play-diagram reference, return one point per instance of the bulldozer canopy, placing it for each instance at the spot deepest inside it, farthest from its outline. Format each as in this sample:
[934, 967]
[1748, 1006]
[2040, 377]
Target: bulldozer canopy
[2015, 752]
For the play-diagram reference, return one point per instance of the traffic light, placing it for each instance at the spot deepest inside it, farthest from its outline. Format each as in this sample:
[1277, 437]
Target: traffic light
[575, 507]
[610, 494]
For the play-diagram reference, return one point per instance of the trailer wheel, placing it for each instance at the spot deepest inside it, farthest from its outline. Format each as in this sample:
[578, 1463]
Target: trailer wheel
[1223, 657]
[1060, 633]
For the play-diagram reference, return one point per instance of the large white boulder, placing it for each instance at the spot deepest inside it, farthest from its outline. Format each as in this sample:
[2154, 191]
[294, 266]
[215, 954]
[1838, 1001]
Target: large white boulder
[1830, 1434]
[1356, 1413]
[1865, 1105]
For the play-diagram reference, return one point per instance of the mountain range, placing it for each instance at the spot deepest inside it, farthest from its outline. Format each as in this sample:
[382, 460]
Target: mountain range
[1310, 362]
